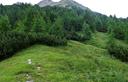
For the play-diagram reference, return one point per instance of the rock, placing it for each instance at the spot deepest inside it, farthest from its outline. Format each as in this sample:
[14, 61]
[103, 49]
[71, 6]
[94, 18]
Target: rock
[30, 81]
[29, 61]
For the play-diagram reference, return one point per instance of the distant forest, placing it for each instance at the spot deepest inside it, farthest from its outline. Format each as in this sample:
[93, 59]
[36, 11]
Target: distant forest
[22, 25]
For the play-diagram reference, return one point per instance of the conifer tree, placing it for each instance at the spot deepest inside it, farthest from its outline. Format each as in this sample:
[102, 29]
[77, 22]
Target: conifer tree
[4, 23]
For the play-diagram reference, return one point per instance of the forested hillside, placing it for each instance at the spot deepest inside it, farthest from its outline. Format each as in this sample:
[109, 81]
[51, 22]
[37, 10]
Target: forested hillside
[22, 25]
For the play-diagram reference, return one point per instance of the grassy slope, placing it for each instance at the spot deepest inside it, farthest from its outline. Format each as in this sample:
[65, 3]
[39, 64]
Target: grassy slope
[76, 62]
[99, 40]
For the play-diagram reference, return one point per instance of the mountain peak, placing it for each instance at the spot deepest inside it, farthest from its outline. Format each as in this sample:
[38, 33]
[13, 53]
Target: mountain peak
[44, 3]
[65, 0]
[62, 3]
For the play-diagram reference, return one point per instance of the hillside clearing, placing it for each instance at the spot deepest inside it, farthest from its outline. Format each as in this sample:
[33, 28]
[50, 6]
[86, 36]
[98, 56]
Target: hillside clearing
[99, 40]
[76, 62]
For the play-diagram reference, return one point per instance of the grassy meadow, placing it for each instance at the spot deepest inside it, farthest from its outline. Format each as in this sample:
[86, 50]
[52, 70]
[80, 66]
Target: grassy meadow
[77, 62]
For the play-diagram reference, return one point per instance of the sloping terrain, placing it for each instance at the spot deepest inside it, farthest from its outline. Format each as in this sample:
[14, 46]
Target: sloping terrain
[76, 62]
[99, 40]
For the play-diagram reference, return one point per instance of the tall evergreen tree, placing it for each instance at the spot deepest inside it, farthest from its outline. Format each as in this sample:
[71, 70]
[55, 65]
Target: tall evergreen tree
[57, 28]
[4, 23]
[39, 25]
[19, 26]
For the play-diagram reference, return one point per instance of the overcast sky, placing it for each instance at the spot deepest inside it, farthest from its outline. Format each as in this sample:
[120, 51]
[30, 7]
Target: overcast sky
[117, 7]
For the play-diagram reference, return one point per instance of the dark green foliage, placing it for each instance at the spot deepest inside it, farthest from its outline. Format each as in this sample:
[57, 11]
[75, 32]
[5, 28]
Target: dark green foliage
[73, 24]
[4, 23]
[118, 50]
[23, 25]
[60, 22]
[101, 23]
[119, 33]
[38, 25]
[126, 36]
[89, 18]
[86, 31]
[19, 26]
[100, 27]
[76, 29]
[51, 40]
[83, 35]
[11, 42]
[57, 28]
[118, 27]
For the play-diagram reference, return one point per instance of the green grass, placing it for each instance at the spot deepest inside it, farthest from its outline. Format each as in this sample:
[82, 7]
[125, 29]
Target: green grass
[99, 40]
[121, 42]
[76, 62]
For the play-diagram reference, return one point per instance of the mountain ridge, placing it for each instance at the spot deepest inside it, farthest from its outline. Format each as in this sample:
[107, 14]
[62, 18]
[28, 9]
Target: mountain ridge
[62, 3]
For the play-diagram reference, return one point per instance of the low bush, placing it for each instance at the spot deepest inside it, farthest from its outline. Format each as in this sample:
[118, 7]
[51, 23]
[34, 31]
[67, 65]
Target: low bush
[119, 33]
[120, 51]
[80, 37]
[11, 42]
[102, 29]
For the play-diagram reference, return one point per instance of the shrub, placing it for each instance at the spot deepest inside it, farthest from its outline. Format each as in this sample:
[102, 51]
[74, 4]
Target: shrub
[50, 40]
[120, 51]
[11, 42]
[102, 29]
[80, 36]
[119, 33]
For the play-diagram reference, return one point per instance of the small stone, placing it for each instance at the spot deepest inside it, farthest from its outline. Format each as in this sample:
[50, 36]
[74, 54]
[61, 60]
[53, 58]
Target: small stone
[27, 75]
[29, 61]
[30, 81]
[38, 68]
[29, 78]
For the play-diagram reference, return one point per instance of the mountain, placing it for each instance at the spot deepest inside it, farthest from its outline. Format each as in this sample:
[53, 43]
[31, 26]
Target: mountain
[62, 3]
[44, 3]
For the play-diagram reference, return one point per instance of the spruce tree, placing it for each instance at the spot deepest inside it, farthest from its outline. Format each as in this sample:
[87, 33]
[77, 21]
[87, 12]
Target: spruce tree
[4, 23]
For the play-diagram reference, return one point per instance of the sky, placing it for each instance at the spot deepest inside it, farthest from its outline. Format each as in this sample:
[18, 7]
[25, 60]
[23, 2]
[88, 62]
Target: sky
[107, 7]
